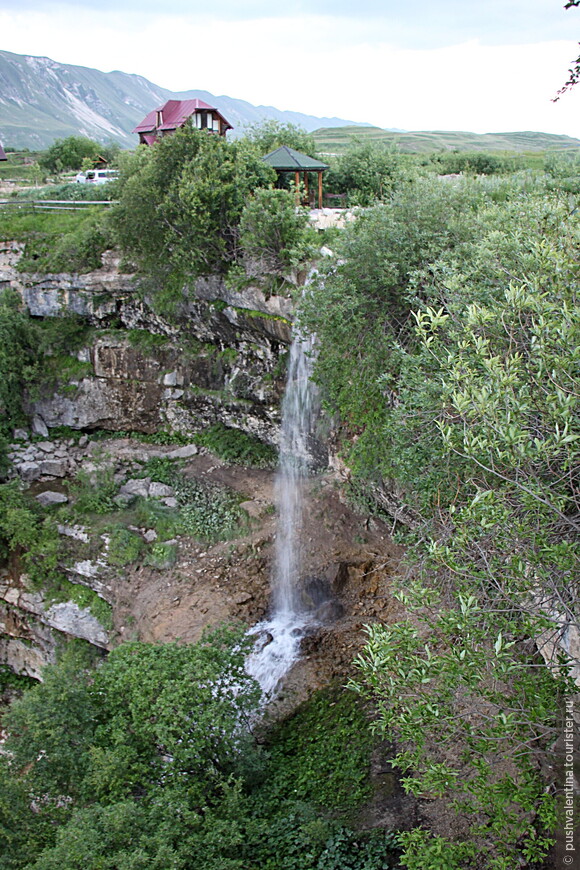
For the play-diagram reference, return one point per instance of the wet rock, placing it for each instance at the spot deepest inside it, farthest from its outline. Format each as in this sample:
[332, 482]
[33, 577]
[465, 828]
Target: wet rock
[336, 575]
[329, 611]
[48, 498]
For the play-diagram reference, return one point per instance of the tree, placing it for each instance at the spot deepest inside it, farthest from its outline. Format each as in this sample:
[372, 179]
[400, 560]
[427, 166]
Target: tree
[467, 409]
[266, 136]
[275, 236]
[180, 204]
[71, 153]
[366, 172]
[132, 763]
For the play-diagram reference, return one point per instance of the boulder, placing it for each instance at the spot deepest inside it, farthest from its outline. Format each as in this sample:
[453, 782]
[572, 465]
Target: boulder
[136, 487]
[49, 498]
[183, 452]
[29, 471]
[53, 467]
[160, 490]
[39, 427]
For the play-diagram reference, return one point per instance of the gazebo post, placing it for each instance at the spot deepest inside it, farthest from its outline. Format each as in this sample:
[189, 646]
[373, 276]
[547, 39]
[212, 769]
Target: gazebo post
[319, 188]
[297, 180]
[306, 187]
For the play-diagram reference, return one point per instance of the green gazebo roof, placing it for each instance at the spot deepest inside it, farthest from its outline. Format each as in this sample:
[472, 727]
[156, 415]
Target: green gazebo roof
[289, 160]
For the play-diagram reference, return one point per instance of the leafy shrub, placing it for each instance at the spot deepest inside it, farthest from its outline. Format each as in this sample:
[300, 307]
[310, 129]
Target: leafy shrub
[95, 494]
[206, 511]
[28, 534]
[70, 153]
[161, 555]
[275, 236]
[366, 172]
[125, 546]
[307, 752]
[237, 447]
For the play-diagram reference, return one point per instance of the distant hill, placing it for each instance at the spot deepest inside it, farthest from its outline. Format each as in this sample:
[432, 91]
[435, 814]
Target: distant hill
[42, 100]
[334, 140]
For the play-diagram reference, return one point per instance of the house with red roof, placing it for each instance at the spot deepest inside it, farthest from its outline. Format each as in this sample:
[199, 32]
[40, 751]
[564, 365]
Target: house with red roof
[174, 113]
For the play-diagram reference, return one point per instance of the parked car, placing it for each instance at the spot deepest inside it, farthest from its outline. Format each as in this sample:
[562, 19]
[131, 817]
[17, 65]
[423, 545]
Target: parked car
[96, 176]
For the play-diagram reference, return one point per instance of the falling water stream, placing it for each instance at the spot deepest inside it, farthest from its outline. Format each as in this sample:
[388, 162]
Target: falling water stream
[277, 647]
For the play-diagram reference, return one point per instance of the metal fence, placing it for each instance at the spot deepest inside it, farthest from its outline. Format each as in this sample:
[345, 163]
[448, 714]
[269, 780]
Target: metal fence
[54, 204]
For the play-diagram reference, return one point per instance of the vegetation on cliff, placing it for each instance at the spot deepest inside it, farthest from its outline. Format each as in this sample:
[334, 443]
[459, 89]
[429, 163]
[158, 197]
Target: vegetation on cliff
[146, 760]
[449, 331]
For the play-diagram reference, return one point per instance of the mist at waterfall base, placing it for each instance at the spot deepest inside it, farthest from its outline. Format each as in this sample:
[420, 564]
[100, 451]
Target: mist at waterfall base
[278, 644]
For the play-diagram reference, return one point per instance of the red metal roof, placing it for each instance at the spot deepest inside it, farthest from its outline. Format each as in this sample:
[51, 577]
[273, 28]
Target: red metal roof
[174, 113]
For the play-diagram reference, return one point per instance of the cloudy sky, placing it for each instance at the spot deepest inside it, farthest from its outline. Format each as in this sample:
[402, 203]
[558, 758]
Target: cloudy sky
[478, 65]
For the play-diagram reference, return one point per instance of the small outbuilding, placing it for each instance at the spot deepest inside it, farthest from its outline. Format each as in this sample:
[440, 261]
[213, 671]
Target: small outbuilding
[286, 159]
[174, 113]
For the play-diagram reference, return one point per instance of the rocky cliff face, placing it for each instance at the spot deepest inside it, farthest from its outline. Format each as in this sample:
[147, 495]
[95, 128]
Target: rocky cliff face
[220, 359]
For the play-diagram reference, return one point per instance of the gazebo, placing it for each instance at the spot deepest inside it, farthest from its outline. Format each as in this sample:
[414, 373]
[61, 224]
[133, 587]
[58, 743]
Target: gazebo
[285, 159]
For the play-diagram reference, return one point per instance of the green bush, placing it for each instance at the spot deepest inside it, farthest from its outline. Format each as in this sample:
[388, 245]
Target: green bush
[237, 447]
[206, 511]
[179, 207]
[95, 494]
[125, 547]
[366, 172]
[161, 555]
[73, 152]
[275, 236]
[307, 752]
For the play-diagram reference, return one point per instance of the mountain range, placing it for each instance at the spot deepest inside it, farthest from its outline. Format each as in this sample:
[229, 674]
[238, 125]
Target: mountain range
[42, 100]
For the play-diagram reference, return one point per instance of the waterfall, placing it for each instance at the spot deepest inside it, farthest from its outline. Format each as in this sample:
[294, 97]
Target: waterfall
[280, 635]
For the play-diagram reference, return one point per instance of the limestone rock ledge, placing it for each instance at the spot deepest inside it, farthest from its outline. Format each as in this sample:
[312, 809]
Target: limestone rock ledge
[218, 360]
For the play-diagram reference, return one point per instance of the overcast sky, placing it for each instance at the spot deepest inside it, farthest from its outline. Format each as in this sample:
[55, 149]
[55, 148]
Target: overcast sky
[477, 65]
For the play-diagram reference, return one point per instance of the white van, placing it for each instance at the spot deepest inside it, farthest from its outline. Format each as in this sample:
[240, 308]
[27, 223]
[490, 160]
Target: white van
[96, 176]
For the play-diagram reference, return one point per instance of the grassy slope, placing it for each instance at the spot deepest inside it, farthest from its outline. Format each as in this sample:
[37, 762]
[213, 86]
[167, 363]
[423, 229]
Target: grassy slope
[335, 140]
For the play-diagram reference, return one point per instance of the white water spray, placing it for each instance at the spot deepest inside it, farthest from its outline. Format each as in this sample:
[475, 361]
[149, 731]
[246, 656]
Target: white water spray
[281, 634]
